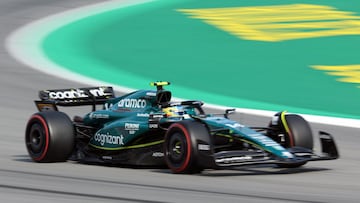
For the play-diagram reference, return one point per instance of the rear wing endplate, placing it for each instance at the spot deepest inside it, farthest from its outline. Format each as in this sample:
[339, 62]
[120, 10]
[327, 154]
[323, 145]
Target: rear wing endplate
[50, 99]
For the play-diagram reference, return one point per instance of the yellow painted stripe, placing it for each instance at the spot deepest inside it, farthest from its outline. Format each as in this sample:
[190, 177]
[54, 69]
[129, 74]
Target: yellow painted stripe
[346, 73]
[278, 23]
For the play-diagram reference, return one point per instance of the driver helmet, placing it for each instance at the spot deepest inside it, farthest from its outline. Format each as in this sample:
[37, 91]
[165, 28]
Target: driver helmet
[174, 111]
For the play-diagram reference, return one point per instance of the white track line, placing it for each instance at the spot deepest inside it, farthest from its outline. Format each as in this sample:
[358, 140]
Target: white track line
[24, 44]
[26, 48]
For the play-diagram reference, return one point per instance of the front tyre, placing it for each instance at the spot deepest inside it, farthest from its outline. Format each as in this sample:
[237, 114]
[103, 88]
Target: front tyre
[181, 153]
[49, 136]
[295, 132]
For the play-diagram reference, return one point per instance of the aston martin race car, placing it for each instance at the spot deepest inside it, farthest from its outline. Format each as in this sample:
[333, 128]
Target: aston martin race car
[146, 128]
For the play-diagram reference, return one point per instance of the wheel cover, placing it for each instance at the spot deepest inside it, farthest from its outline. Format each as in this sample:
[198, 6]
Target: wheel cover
[177, 149]
[35, 141]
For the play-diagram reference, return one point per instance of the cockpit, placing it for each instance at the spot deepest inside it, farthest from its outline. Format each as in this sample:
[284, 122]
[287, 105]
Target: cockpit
[175, 109]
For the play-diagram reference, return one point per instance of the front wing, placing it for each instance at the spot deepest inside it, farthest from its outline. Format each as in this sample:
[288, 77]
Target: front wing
[301, 155]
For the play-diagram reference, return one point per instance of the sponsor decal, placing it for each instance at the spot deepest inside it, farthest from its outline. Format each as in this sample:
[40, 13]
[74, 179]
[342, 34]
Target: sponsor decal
[234, 125]
[98, 116]
[132, 103]
[153, 125]
[107, 157]
[108, 139]
[204, 147]
[152, 94]
[70, 94]
[99, 92]
[142, 115]
[132, 127]
[157, 116]
[234, 159]
[77, 93]
[158, 154]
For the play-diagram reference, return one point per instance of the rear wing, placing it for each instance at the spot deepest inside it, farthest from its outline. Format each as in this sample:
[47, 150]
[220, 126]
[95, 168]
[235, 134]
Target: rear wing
[50, 99]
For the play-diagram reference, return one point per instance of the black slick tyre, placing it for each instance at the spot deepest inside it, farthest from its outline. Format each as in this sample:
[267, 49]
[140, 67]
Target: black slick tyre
[298, 134]
[49, 136]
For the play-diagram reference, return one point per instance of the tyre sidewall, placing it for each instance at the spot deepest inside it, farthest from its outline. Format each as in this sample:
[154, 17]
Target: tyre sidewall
[300, 131]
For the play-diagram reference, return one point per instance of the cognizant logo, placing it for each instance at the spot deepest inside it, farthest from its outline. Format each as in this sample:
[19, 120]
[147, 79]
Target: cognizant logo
[109, 139]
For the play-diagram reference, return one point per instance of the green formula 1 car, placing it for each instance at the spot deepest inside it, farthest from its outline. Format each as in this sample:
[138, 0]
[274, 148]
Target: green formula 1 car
[146, 128]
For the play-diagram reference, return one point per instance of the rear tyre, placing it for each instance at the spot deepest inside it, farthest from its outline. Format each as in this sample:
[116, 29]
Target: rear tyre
[181, 153]
[49, 136]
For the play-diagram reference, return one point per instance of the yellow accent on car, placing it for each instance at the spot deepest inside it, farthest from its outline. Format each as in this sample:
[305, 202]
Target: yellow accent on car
[129, 147]
[283, 120]
[160, 83]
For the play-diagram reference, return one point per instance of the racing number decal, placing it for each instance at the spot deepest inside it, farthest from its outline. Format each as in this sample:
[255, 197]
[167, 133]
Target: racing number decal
[280, 22]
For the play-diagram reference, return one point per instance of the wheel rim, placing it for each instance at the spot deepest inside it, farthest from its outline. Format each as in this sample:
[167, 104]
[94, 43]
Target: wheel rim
[35, 140]
[177, 149]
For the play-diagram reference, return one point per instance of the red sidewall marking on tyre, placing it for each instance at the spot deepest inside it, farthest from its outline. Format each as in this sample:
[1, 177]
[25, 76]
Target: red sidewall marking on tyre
[291, 137]
[188, 155]
[43, 122]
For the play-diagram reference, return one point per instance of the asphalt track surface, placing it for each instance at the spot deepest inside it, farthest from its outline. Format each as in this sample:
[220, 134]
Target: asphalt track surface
[21, 180]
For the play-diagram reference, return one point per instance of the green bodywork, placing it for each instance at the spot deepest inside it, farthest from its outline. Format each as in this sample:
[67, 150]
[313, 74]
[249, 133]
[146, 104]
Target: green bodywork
[124, 124]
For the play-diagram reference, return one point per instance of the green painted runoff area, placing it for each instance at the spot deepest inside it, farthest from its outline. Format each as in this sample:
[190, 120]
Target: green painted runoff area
[155, 41]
